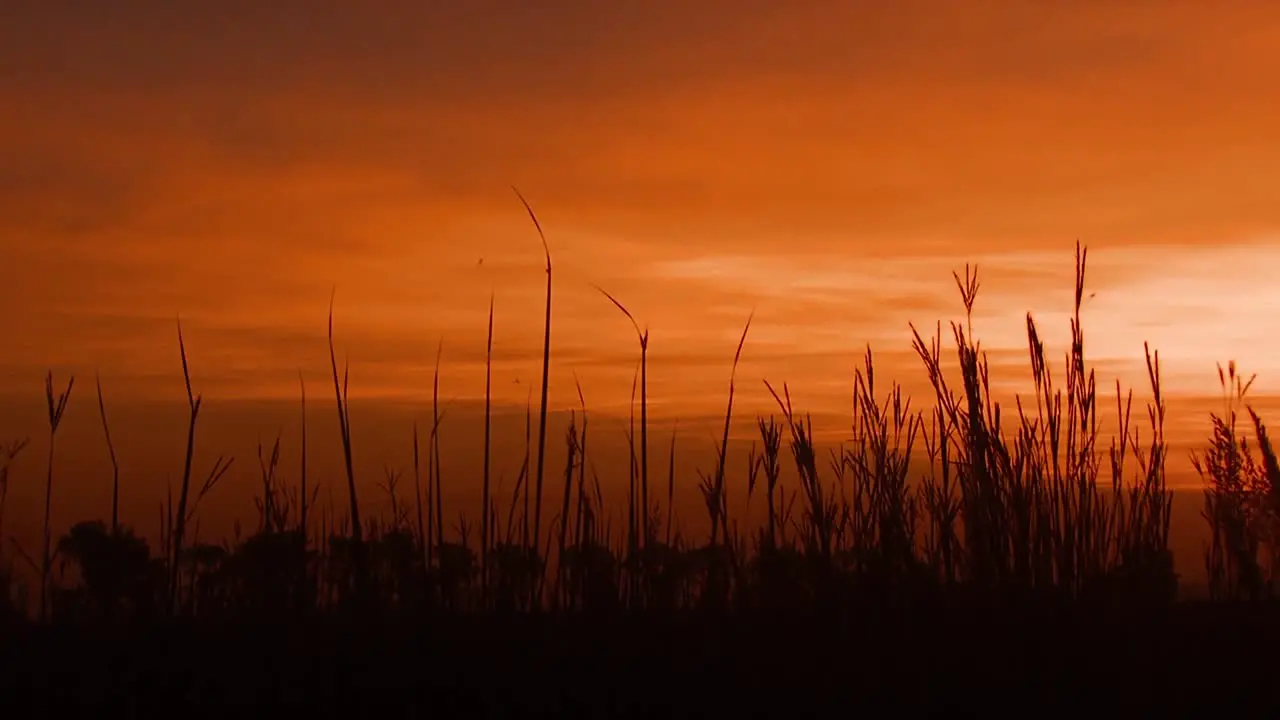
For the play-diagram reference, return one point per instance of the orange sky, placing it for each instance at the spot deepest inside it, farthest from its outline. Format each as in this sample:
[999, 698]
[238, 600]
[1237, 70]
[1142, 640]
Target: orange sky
[826, 164]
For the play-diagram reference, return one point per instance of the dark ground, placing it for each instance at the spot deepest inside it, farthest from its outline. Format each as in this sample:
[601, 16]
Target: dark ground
[1191, 657]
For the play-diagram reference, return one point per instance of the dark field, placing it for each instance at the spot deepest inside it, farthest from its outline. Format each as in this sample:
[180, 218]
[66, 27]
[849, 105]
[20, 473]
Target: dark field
[1191, 656]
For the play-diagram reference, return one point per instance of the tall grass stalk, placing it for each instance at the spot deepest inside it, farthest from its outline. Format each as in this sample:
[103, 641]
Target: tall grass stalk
[433, 451]
[302, 460]
[115, 466]
[643, 338]
[718, 519]
[344, 428]
[356, 529]
[179, 519]
[423, 539]
[546, 370]
[485, 496]
[57, 405]
[582, 467]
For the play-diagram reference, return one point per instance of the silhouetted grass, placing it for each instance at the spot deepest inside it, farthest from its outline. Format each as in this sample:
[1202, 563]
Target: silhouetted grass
[925, 521]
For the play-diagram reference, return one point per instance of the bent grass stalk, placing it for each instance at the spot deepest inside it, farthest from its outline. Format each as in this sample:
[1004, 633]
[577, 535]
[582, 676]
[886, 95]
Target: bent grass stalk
[546, 369]
[643, 338]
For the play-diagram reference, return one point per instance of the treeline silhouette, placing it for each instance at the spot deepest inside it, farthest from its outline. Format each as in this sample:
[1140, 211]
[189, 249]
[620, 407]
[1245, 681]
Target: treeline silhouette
[1021, 521]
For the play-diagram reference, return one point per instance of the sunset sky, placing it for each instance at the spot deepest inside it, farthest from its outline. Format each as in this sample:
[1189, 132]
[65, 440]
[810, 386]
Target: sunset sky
[823, 164]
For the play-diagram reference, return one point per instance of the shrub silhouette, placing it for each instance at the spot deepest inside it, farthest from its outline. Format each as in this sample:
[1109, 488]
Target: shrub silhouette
[115, 571]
